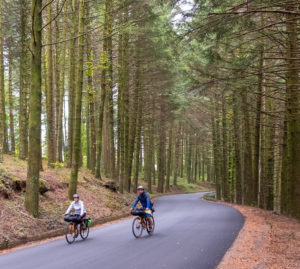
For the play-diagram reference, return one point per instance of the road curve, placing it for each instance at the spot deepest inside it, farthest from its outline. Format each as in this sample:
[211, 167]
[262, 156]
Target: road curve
[190, 234]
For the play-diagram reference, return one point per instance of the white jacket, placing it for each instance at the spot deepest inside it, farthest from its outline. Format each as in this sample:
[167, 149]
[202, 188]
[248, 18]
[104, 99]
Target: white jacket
[78, 208]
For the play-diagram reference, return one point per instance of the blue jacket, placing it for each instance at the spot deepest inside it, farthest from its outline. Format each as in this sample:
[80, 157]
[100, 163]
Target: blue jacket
[144, 199]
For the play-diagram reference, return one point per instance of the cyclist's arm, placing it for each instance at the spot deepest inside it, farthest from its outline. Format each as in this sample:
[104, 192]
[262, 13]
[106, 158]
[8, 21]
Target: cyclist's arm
[135, 202]
[69, 208]
[81, 209]
[148, 201]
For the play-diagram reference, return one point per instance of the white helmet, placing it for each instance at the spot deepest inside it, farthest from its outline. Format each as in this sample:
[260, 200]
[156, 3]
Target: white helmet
[140, 188]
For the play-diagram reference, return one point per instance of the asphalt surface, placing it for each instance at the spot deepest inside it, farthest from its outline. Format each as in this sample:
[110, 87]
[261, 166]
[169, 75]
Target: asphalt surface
[190, 234]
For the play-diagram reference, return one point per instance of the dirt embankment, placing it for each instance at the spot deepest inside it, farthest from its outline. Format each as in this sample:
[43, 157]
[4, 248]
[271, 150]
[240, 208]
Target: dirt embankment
[267, 241]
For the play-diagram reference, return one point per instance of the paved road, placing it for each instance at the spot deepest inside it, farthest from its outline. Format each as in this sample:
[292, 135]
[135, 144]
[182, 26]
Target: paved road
[190, 234]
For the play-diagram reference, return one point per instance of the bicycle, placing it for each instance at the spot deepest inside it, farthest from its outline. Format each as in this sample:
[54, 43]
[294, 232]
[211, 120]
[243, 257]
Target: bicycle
[75, 228]
[141, 222]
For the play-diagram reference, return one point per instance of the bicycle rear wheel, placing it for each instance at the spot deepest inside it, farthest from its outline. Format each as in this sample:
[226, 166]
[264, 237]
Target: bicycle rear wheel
[137, 227]
[149, 230]
[84, 231]
[70, 233]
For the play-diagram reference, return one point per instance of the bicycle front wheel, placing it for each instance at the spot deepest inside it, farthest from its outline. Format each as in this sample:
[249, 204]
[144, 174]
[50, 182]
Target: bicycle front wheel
[70, 233]
[137, 227]
[84, 231]
[150, 229]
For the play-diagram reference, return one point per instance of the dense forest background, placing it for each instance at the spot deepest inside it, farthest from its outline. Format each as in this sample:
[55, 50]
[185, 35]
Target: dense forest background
[202, 89]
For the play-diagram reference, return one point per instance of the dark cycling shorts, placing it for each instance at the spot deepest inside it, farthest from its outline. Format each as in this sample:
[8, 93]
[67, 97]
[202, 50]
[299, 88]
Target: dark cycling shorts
[80, 218]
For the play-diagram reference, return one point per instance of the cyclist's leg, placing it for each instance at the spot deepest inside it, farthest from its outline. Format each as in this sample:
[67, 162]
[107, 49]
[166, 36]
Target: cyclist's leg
[76, 230]
[149, 219]
[150, 222]
[82, 220]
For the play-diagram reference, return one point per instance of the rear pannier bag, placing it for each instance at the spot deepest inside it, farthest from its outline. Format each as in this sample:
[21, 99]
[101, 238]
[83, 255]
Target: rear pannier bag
[88, 222]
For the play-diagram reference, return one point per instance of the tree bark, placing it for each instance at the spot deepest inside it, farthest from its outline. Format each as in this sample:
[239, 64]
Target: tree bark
[2, 94]
[11, 106]
[161, 149]
[50, 96]
[60, 105]
[177, 156]
[225, 190]
[169, 159]
[257, 129]
[290, 185]
[72, 82]
[23, 102]
[237, 149]
[78, 106]
[250, 198]
[34, 154]
[110, 102]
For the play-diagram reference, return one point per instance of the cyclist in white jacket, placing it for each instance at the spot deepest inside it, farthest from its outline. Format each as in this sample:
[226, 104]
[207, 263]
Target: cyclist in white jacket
[78, 207]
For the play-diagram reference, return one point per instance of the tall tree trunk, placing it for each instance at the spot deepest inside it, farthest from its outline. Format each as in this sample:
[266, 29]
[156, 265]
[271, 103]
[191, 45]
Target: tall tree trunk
[248, 178]
[110, 89]
[91, 134]
[120, 164]
[23, 103]
[182, 155]
[11, 106]
[101, 112]
[34, 154]
[61, 84]
[177, 155]
[134, 114]
[72, 82]
[2, 94]
[237, 149]
[56, 51]
[139, 97]
[50, 96]
[278, 142]
[106, 80]
[148, 156]
[138, 143]
[78, 105]
[269, 160]
[127, 180]
[161, 149]
[189, 158]
[290, 185]
[196, 159]
[87, 130]
[216, 150]
[225, 191]
[203, 164]
[169, 159]
[123, 105]
[257, 129]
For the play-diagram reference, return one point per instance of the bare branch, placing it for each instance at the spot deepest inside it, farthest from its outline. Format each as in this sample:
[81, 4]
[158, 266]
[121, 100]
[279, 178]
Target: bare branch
[59, 12]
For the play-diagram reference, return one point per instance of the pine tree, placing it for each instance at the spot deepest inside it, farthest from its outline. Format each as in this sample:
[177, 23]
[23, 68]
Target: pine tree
[34, 147]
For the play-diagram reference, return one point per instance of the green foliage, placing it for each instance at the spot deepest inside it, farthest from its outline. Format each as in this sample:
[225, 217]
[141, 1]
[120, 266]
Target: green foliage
[57, 165]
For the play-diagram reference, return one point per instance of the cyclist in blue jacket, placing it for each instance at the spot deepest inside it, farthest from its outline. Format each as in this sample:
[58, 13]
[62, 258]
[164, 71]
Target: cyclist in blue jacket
[144, 198]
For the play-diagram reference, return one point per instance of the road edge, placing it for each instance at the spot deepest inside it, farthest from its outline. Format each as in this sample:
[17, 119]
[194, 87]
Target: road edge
[230, 250]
